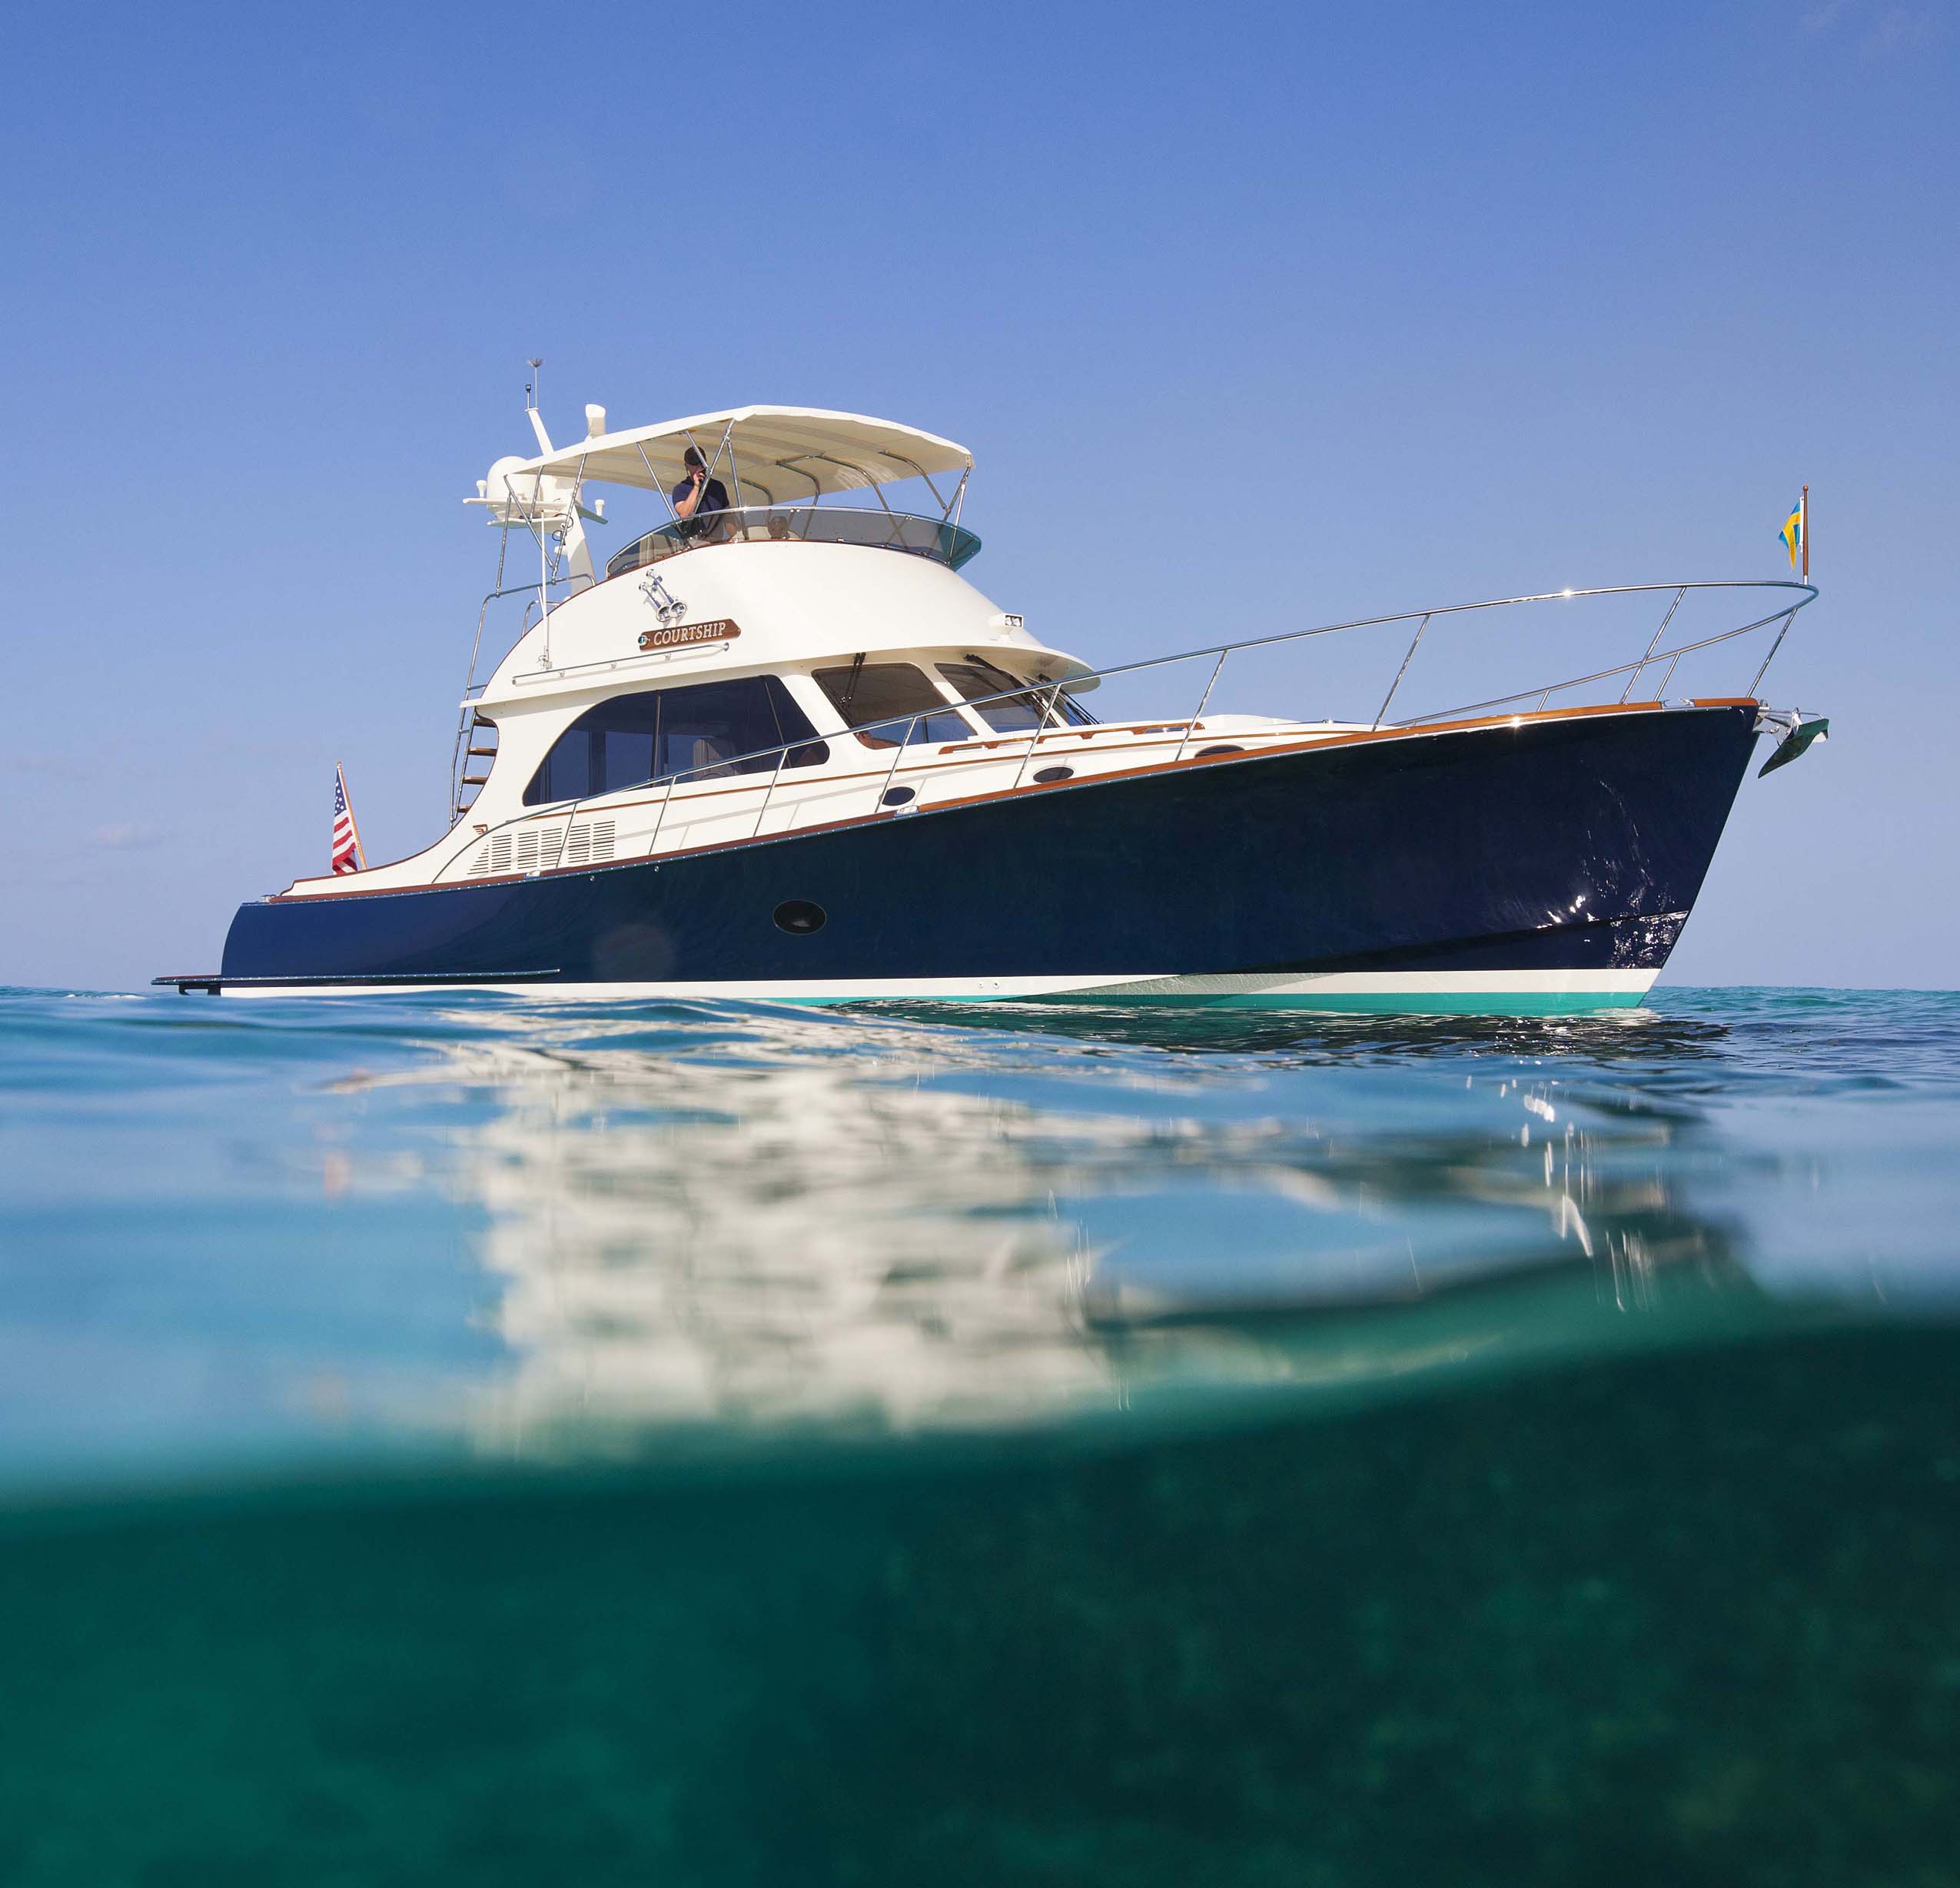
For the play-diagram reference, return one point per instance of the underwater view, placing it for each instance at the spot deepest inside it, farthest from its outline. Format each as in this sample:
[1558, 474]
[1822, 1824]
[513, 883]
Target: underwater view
[468, 1437]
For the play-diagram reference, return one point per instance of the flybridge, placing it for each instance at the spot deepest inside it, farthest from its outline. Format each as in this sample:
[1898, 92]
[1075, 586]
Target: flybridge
[768, 475]
[768, 470]
[774, 462]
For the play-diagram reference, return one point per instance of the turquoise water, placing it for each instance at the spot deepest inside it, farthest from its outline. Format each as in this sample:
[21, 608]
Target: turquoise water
[451, 1438]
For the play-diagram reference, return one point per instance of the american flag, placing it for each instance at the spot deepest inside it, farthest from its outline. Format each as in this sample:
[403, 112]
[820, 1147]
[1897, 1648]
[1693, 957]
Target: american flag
[347, 855]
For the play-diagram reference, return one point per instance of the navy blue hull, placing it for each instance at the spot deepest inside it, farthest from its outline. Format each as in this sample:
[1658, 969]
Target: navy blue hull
[1556, 845]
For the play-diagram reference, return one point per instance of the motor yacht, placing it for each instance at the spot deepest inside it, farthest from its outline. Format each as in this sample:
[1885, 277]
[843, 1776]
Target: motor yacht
[784, 749]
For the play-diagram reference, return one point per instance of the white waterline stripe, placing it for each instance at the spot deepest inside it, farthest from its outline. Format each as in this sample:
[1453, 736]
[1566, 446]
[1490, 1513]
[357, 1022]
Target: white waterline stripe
[1376, 983]
[1280, 990]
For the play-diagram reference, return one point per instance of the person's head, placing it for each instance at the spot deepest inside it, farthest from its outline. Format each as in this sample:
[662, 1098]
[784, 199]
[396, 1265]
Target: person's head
[693, 460]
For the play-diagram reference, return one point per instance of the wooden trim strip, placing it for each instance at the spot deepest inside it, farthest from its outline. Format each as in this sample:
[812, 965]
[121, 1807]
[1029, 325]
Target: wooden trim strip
[1069, 734]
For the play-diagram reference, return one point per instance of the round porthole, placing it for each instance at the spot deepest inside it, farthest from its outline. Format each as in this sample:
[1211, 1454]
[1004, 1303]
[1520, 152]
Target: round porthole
[799, 917]
[1224, 747]
[1046, 774]
[900, 795]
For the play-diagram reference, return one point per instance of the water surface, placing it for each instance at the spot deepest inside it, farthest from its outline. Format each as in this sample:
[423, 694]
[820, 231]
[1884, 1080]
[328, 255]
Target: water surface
[723, 1443]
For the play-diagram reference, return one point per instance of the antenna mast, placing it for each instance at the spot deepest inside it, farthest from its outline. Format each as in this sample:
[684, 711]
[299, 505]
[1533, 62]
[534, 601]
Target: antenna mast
[534, 362]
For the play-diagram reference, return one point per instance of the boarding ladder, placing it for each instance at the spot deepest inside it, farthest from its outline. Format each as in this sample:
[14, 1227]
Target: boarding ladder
[476, 749]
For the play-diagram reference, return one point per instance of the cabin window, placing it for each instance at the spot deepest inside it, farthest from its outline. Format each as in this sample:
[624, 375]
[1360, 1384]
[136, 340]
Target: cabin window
[711, 730]
[1012, 714]
[888, 703]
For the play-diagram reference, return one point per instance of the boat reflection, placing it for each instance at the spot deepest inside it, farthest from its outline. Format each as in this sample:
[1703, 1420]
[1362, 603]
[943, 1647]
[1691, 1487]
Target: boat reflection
[759, 1221]
[1333, 1037]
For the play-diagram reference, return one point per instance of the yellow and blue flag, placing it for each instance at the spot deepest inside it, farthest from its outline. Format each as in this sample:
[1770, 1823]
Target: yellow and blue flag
[1791, 533]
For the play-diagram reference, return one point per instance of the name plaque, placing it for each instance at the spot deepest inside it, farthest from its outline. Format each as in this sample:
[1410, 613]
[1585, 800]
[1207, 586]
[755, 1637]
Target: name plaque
[678, 635]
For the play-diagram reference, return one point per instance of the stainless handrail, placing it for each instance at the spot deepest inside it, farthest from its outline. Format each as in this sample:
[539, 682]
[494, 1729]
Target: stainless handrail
[1407, 658]
[898, 754]
[1191, 726]
[1047, 726]
[1670, 656]
[1034, 733]
[1653, 644]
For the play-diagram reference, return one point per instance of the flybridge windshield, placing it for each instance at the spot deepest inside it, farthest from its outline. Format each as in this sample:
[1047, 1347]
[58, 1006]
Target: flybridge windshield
[950, 544]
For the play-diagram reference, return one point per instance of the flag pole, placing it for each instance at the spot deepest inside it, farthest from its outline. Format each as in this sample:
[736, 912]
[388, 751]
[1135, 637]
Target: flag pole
[1806, 533]
[360, 851]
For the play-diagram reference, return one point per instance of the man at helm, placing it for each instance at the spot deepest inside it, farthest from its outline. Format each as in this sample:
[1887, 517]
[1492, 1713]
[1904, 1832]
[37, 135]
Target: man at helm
[697, 496]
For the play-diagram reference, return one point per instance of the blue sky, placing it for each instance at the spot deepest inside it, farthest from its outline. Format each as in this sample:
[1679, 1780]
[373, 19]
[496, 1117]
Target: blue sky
[1440, 302]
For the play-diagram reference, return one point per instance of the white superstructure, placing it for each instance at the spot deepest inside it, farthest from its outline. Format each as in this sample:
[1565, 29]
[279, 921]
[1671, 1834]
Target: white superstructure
[854, 622]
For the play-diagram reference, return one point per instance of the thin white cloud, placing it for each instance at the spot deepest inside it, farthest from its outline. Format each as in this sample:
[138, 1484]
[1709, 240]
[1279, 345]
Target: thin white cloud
[1893, 29]
[125, 836]
[1899, 29]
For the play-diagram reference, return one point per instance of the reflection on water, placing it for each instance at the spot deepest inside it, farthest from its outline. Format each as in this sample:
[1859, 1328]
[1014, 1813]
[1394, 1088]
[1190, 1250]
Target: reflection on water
[1348, 1039]
[762, 1227]
[248, 1232]
[780, 1218]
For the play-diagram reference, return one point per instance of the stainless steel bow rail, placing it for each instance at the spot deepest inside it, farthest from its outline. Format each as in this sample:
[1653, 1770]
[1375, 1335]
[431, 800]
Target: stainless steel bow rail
[1042, 694]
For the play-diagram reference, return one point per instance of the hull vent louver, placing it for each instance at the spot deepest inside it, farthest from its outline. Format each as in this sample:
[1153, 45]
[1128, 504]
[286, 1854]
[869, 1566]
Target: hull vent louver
[493, 856]
[593, 840]
[501, 852]
[537, 850]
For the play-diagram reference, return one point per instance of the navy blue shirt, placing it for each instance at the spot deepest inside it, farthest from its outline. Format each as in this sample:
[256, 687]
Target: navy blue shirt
[714, 498]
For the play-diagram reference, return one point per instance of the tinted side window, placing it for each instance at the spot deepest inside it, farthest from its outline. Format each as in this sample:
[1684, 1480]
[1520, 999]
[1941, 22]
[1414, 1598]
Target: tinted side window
[633, 739]
[705, 726]
[890, 702]
[610, 746]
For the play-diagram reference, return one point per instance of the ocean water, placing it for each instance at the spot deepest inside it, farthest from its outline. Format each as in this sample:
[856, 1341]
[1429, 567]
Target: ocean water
[466, 1439]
